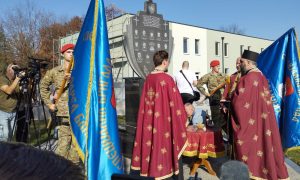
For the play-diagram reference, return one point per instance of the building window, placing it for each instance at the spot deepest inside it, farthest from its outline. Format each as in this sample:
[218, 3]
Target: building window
[262, 49]
[226, 49]
[249, 47]
[242, 49]
[197, 75]
[217, 48]
[185, 45]
[197, 46]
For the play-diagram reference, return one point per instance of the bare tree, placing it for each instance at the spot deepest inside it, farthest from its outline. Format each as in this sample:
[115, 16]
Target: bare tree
[4, 49]
[22, 26]
[233, 28]
[55, 31]
[112, 11]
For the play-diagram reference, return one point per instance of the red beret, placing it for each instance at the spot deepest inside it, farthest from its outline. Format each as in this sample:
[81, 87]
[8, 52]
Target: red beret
[66, 47]
[214, 63]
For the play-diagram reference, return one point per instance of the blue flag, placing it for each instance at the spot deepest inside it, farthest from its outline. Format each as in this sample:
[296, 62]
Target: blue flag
[280, 64]
[91, 98]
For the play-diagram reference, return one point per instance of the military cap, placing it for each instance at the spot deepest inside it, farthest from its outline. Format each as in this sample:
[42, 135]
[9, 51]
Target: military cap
[214, 63]
[66, 47]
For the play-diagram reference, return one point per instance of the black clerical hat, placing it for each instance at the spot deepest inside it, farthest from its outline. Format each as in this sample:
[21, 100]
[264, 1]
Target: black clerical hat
[250, 55]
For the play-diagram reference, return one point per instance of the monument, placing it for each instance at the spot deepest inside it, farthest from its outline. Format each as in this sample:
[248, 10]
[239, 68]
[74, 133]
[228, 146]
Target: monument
[147, 32]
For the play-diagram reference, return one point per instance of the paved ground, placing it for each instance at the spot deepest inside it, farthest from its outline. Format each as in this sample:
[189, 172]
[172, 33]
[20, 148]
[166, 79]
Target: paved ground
[293, 169]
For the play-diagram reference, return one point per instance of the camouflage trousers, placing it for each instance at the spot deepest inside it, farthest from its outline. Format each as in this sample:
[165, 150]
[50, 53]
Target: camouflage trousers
[65, 145]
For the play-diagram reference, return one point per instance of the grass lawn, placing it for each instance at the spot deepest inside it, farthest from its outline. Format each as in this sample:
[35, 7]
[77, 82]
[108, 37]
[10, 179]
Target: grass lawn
[39, 134]
[294, 155]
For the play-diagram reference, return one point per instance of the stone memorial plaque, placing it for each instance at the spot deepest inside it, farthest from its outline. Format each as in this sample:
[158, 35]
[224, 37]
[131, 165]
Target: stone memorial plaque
[147, 32]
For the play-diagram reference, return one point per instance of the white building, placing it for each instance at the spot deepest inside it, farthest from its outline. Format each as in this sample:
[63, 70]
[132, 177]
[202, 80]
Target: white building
[198, 45]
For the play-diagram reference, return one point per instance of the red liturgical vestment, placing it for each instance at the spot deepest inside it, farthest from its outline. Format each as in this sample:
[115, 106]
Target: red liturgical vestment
[161, 128]
[256, 134]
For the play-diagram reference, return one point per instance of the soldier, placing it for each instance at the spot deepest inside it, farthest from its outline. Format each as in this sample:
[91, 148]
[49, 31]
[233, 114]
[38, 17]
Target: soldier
[55, 76]
[215, 82]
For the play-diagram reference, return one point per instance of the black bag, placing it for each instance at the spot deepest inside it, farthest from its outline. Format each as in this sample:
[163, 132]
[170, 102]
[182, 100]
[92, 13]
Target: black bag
[196, 93]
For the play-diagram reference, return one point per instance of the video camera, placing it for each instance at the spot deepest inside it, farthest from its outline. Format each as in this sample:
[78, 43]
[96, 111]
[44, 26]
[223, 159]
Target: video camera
[34, 68]
[30, 74]
[18, 71]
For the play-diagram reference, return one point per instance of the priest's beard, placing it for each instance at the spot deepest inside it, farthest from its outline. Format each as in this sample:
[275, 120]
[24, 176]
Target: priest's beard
[243, 70]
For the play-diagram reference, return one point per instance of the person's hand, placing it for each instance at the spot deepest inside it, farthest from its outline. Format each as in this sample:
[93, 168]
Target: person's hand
[55, 97]
[224, 109]
[191, 128]
[222, 106]
[21, 74]
[67, 76]
[52, 107]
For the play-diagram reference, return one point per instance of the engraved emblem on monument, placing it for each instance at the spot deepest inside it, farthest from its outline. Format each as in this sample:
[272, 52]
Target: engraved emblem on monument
[147, 32]
[136, 33]
[151, 36]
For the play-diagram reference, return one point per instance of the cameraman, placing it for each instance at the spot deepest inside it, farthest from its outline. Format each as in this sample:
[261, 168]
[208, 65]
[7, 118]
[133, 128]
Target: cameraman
[8, 98]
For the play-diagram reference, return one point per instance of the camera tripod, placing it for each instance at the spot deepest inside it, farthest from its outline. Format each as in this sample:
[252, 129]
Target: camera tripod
[30, 99]
[24, 113]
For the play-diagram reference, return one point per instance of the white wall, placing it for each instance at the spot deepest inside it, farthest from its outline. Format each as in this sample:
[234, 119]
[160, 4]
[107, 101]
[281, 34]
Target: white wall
[198, 62]
[234, 43]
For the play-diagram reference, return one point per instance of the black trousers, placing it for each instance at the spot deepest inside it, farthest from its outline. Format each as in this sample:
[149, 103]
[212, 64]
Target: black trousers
[216, 115]
[22, 127]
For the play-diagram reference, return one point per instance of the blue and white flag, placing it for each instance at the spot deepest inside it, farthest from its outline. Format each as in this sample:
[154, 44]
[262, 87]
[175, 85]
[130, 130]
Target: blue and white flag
[91, 98]
[280, 64]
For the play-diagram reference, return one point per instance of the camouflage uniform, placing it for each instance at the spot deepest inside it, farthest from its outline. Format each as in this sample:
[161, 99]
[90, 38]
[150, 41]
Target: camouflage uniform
[65, 145]
[212, 81]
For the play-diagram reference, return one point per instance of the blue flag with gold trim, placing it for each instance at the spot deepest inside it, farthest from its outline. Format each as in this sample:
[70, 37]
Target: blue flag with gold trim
[280, 64]
[92, 102]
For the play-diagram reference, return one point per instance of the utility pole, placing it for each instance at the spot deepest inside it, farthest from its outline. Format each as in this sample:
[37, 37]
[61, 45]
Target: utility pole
[223, 70]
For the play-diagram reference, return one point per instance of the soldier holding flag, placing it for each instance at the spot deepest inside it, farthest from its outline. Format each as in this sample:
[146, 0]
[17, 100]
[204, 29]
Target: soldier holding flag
[65, 146]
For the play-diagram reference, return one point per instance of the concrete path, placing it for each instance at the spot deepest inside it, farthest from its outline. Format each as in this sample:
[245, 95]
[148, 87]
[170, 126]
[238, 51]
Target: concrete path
[293, 169]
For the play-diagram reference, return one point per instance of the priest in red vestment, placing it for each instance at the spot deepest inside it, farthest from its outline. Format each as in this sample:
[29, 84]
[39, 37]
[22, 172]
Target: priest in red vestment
[225, 104]
[256, 134]
[161, 125]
